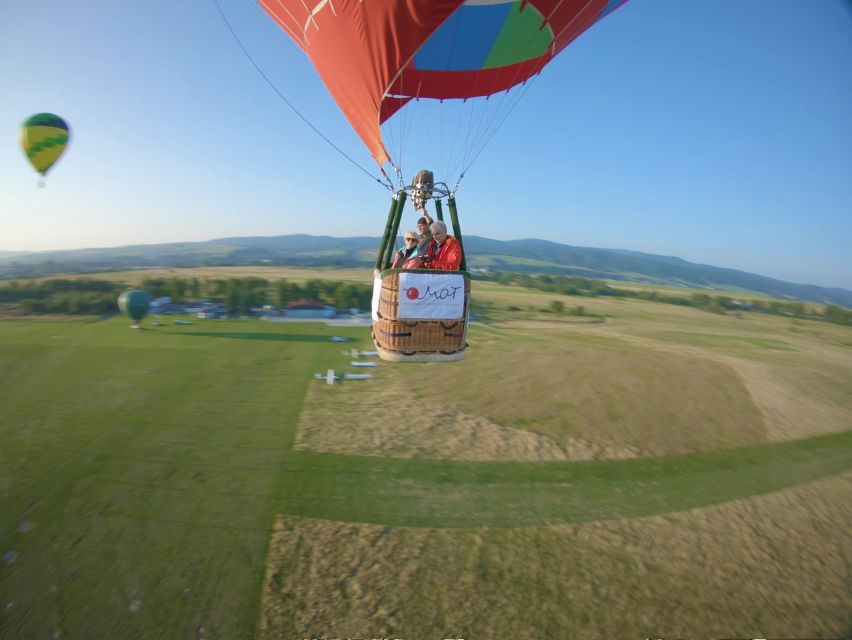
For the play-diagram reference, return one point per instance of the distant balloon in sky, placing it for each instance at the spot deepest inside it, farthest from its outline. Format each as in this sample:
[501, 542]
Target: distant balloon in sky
[134, 303]
[44, 137]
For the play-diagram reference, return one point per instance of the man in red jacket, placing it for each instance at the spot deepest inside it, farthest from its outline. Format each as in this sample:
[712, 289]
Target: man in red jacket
[445, 252]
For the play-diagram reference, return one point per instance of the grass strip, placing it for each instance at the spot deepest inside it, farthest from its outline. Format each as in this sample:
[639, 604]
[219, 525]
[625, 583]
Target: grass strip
[432, 493]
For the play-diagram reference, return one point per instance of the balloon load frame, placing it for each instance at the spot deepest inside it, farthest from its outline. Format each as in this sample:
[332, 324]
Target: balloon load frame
[397, 335]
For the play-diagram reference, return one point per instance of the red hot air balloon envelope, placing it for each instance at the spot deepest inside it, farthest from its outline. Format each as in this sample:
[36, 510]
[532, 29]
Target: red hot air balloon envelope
[376, 55]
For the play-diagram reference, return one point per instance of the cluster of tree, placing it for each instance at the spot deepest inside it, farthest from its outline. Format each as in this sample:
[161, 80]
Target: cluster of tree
[241, 294]
[62, 295]
[98, 297]
[838, 315]
[576, 286]
[343, 295]
[721, 304]
[180, 289]
[568, 285]
[557, 306]
[237, 294]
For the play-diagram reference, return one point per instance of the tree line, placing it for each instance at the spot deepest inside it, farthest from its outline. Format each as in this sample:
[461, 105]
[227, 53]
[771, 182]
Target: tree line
[62, 296]
[84, 296]
[239, 295]
[578, 286]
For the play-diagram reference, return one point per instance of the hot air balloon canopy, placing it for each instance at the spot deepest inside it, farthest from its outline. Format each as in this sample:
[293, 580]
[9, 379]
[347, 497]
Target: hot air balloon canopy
[44, 137]
[376, 56]
[134, 303]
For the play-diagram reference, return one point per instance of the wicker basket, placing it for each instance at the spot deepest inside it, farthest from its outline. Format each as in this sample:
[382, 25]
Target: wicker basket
[417, 340]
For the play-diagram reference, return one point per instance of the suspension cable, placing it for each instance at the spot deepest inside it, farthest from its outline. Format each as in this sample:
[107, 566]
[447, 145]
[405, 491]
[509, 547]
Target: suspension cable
[485, 117]
[289, 104]
[496, 127]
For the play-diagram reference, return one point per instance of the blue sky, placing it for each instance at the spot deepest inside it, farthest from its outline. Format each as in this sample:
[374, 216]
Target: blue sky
[719, 132]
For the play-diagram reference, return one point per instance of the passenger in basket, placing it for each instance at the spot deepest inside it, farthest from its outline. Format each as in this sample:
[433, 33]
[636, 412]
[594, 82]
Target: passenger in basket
[425, 237]
[408, 252]
[445, 251]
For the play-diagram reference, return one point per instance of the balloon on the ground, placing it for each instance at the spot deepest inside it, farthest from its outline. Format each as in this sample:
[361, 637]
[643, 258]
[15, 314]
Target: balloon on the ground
[44, 137]
[134, 303]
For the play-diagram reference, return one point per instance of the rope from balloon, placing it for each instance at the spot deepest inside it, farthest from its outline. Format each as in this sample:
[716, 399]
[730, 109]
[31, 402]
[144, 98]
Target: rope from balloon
[292, 107]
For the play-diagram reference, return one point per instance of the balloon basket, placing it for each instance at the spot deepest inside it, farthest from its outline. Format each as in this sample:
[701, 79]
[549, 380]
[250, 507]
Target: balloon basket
[397, 356]
[417, 340]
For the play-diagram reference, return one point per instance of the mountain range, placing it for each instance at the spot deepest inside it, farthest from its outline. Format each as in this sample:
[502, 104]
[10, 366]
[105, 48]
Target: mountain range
[529, 256]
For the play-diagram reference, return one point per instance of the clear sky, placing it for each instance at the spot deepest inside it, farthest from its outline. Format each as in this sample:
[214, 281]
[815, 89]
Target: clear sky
[719, 132]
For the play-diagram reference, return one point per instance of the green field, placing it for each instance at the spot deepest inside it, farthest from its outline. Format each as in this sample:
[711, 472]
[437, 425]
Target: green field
[664, 472]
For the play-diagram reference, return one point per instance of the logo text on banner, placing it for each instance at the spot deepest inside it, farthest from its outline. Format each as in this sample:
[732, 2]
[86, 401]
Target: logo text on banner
[431, 295]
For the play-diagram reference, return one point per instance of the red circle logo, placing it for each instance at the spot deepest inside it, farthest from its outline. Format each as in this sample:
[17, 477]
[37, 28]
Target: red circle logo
[412, 293]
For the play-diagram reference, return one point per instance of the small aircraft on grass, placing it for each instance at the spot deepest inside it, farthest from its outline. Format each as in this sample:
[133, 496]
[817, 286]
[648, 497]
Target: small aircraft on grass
[354, 353]
[331, 378]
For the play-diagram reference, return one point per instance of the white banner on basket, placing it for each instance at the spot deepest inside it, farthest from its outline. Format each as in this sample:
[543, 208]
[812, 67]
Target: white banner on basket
[431, 295]
[377, 293]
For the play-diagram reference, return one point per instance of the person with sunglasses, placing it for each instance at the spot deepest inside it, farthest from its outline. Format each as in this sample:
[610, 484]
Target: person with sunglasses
[408, 251]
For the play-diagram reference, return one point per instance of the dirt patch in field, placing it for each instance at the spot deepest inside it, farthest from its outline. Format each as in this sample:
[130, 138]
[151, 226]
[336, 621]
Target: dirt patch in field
[536, 399]
[654, 380]
[384, 418]
[799, 404]
[623, 399]
[771, 566]
[797, 372]
[802, 390]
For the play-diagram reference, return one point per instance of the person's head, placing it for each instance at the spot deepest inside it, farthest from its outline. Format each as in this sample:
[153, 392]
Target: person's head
[423, 226]
[410, 239]
[439, 231]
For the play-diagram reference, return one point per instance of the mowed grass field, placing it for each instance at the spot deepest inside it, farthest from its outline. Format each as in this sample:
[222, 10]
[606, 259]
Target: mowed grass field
[663, 472]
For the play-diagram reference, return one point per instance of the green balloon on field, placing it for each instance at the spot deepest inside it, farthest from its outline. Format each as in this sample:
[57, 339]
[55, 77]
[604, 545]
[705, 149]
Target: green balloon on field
[134, 303]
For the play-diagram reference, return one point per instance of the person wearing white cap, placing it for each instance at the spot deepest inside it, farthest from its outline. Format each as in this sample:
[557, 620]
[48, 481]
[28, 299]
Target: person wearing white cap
[445, 251]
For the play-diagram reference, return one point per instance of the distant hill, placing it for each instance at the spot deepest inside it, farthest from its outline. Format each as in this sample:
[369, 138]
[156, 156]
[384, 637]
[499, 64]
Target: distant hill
[530, 256]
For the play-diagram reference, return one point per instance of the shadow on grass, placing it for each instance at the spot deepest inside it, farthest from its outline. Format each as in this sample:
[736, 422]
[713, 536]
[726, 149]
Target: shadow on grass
[274, 337]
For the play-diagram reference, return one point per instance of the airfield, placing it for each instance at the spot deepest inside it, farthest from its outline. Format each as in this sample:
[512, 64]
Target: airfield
[641, 470]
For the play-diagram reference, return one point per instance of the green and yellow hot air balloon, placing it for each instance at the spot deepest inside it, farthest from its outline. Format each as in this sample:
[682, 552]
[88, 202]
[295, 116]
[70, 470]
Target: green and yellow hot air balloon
[44, 137]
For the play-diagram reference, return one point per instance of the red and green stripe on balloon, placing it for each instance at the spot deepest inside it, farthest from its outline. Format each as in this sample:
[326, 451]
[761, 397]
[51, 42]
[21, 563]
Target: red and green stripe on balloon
[487, 46]
[376, 55]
